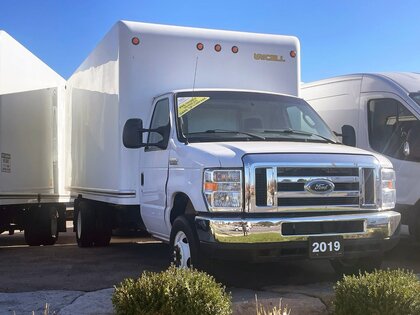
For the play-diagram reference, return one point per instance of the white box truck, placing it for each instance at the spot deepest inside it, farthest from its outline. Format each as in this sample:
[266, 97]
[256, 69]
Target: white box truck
[29, 145]
[191, 133]
[381, 112]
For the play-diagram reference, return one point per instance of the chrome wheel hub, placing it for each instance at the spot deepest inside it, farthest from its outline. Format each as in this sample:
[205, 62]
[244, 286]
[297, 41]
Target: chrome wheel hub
[182, 253]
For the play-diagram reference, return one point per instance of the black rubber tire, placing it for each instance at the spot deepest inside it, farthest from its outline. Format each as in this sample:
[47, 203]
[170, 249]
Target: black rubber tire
[41, 225]
[85, 224]
[181, 224]
[414, 226]
[354, 266]
[103, 227]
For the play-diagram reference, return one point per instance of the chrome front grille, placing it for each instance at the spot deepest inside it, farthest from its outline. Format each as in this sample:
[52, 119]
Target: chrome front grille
[351, 183]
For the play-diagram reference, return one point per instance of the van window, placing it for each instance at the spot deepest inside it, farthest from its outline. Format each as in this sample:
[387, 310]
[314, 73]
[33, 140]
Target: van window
[160, 118]
[390, 127]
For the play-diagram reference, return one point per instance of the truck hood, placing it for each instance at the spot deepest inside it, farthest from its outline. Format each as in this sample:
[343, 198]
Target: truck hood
[230, 154]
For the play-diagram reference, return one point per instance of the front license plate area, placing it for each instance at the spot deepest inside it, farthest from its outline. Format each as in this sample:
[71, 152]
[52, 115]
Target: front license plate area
[326, 247]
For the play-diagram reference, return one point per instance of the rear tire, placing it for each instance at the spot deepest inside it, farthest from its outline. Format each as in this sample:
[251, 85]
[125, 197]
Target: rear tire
[354, 266]
[414, 225]
[103, 228]
[41, 226]
[85, 224]
[184, 244]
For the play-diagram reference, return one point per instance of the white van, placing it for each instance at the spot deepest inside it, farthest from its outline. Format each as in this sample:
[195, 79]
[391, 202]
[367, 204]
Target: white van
[189, 133]
[381, 112]
[32, 196]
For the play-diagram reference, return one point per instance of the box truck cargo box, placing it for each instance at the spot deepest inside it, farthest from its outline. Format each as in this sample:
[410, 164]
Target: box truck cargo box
[191, 133]
[30, 178]
[381, 112]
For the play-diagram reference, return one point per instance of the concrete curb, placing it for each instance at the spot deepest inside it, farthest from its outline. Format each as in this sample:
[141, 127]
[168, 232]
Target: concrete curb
[99, 302]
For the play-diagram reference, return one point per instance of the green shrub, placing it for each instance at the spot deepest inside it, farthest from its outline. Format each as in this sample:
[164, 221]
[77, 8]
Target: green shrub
[382, 292]
[171, 292]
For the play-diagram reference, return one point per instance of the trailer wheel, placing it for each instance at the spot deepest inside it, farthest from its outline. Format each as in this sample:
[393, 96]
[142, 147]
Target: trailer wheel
[184, 244]
[41, 226]
[352, 266]
[85, 224]
[103, 228]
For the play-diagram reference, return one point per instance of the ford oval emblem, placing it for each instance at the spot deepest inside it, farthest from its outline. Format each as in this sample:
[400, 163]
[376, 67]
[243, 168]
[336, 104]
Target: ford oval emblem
[319, 186]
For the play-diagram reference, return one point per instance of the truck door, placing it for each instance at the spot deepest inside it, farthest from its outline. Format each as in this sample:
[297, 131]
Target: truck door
[390, 124]
[154, 172]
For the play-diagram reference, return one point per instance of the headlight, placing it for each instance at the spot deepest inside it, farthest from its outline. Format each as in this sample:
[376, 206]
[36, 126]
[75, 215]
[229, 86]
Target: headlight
[223, 190]
[389, 195]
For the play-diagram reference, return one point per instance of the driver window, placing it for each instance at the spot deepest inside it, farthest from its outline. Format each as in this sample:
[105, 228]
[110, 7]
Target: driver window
[390, 127]
[160, 118]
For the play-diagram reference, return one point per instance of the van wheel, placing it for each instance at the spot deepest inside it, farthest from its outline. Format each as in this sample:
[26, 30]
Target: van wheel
[184, 244]
[352, 266]
[85, 224]
[41, 226]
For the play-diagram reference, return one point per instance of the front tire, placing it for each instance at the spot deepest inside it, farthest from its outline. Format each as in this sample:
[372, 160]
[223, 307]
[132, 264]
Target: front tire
[414, 225]
[353, 266]
[184, 244]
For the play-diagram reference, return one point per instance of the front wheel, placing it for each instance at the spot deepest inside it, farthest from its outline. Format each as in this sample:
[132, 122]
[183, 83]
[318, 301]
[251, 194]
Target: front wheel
[184, 244]
[352, 266]
[414, 225]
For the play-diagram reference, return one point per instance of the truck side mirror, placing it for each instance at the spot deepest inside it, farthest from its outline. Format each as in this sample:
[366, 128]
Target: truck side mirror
[349, 135]
[133, 134]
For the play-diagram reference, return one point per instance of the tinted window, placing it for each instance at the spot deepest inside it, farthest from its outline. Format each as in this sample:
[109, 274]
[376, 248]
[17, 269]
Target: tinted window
[160, 118]
[391, 126]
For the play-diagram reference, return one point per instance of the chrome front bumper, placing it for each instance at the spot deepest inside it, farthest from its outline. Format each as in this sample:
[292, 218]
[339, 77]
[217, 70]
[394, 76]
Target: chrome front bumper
[257, 230]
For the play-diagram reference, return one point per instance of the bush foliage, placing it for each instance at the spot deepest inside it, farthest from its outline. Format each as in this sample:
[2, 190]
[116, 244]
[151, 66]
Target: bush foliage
[382, 292]
[171, 292]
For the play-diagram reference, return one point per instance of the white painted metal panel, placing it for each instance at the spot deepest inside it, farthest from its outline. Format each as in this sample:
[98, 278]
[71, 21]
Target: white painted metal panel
[28, 161]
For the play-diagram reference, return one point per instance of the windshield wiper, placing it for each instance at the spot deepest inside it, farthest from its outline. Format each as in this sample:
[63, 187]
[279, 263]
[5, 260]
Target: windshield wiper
[299, 132]
[251, 135]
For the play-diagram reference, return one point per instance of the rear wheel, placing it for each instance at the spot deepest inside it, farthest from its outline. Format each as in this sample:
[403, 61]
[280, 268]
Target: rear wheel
[103, 228]
[41, 226]
[184, 244]
[352, 266]
[85, 224]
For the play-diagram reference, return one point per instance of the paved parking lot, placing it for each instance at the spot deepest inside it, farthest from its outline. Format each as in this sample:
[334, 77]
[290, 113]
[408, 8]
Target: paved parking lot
[64, 266]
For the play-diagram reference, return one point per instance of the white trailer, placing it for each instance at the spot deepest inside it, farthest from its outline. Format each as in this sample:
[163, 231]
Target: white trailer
[228, 144]
[30, 179]
[382, 112]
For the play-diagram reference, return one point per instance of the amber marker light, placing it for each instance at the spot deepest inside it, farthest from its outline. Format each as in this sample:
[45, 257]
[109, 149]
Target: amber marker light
[200, 46]
[135, 41]
[217, 47]
[210, 186]
[293, 54]
[235, 49]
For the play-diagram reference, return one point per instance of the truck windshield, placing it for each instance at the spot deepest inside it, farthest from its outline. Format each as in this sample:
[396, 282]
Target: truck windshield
[415, 97]
[214, 116]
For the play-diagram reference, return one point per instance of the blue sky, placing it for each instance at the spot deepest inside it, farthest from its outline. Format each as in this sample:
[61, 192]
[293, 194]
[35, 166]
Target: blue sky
[337, 37]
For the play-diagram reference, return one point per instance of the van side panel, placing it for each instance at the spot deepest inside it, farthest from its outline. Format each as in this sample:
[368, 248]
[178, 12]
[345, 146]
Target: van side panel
[343, 95]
